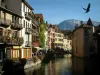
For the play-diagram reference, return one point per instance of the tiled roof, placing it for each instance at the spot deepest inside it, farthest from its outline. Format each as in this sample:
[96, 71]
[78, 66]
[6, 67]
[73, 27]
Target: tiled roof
[40, 16]
[89, 22]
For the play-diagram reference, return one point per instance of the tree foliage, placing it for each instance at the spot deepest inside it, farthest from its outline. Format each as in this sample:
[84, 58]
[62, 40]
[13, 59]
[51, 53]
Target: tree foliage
[42, 35]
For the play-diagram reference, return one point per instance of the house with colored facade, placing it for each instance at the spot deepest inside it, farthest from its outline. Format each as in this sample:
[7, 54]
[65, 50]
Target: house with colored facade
[58, 39]
[10, 27]
[26, 32]
[82, 40]
[40, 21]
[51, 33]
[96, 39]
[35, 31]
[24, 28]
[67, 43]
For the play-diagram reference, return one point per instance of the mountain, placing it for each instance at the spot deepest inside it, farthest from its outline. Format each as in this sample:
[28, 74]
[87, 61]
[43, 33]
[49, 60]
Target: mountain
[70, 24]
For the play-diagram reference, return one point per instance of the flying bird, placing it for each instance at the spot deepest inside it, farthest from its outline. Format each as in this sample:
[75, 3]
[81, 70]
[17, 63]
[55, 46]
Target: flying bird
[87, 9]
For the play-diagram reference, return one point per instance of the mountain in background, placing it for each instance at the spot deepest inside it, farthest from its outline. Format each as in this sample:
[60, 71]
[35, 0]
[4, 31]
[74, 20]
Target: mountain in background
[70, 24]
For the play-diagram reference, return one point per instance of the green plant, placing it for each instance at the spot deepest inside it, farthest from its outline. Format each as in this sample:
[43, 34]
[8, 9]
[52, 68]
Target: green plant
[42, 35]
[21, 40]
[35, 58]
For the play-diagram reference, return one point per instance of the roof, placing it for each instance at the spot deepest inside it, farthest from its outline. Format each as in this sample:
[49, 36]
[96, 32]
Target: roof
[9, 11]
[40, 16]
[27, 4]
[89, 22]
[51, 26]
[66, 32]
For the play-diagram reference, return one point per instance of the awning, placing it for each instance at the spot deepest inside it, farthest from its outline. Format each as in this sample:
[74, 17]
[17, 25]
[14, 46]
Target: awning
[38, 48]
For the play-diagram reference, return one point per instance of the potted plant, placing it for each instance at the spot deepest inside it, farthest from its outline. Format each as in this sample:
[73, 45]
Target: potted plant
[21, 40]
[35, 58]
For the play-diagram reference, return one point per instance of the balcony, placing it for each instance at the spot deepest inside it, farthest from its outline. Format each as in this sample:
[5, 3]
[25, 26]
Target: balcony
[20, 40]
[27, 16]
[19, 26]
[35, 32]
[28, 44]
[2, 4]
[5, 23]
[16, 26]
[35, 22]
[1, 39]
[13, 41]
[36, 44]
[27, 30]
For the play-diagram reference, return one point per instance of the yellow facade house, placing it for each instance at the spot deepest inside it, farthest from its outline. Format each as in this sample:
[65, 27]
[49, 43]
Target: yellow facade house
[58, 40]
[10, 27]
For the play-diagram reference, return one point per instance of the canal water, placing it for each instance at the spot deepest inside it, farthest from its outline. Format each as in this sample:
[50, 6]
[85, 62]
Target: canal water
[60, 66]
[64, 66]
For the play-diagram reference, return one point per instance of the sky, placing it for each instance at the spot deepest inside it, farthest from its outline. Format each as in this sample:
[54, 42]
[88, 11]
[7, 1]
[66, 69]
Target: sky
[56, 11]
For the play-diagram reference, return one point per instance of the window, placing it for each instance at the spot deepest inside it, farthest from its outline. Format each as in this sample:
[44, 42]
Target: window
[25, 53]
[17, 20]
[20, 21]
[28, 10]
[13, 19]
[23, 8]
[15, 53]
[24, 22]
[15, 34]
[4, 16]
[9, 33]
[28, 25]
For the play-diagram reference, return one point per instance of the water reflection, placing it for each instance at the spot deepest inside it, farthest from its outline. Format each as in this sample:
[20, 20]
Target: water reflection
[78, 66]
[62, 66]
[84, 67]
[55, 67]
[67, 66]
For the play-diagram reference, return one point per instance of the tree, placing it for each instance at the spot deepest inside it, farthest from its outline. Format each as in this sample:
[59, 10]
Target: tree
[42, 35]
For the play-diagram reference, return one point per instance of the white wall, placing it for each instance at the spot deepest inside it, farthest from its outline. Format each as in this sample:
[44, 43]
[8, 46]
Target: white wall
[25, 36]
[67, 44]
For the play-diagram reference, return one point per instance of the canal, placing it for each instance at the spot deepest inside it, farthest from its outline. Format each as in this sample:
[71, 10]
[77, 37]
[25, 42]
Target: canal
[64, 66]
[60, 66]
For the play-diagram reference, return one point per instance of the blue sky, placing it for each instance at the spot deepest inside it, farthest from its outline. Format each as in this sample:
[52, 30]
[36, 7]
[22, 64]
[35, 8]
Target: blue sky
[56, 11]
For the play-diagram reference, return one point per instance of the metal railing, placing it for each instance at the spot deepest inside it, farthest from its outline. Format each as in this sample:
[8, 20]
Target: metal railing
[27, 15]
[5, 22]
[16, 26]
[34, 21]
[11, 40]
[28, 30]
[28, 44]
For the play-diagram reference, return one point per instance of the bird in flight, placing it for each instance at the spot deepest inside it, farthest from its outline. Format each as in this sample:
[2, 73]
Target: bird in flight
[88, 8]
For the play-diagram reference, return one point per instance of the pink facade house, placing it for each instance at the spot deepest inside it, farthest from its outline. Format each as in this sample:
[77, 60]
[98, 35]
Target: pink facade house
[51, 31]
